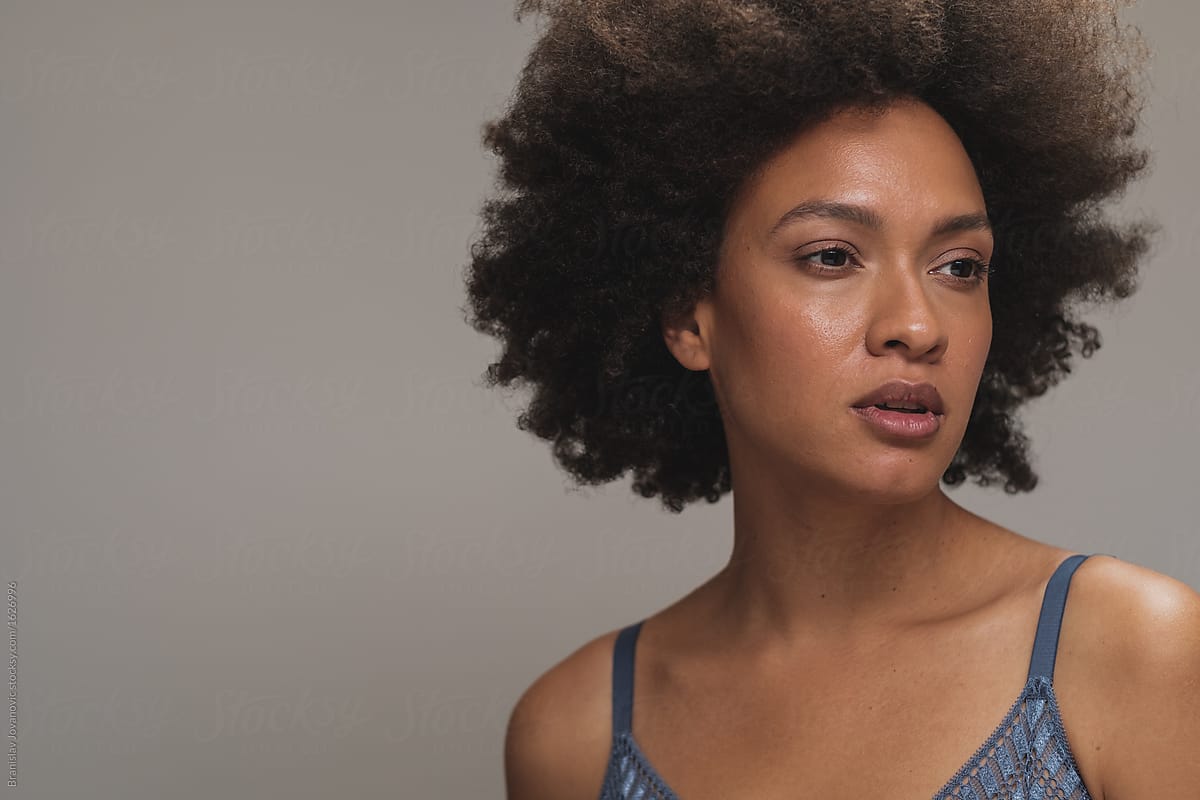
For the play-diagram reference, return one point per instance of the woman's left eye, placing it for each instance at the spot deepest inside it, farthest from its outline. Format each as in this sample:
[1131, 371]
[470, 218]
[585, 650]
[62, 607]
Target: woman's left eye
[976, 269]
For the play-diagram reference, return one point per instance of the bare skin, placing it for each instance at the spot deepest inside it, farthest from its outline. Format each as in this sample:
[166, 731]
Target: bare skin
[894, 714]
[877, 630]
[868, 633]
[841, 533]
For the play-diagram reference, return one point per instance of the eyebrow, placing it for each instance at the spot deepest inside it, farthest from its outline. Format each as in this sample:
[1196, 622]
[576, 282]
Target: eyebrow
[829, 209]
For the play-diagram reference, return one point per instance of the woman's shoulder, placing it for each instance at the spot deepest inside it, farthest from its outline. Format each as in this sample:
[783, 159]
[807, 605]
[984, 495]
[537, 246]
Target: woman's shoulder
[1121, 598]
[1132, 604]
[1120, 615]
[1133, 640]
[1127, 668]
[559, 733]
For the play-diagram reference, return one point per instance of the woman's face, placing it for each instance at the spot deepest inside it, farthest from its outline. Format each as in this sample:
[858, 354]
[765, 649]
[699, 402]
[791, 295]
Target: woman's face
[796, 332]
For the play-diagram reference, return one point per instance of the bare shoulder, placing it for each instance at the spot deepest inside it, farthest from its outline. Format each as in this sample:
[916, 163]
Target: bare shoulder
[1143, 645]
[1145, 610]
[560, 729]
[1130, 617]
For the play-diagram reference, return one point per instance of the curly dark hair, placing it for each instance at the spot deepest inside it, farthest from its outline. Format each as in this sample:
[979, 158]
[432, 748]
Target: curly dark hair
[635, 123]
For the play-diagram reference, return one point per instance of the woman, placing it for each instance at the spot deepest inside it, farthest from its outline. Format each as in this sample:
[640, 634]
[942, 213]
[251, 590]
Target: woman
[818, 254]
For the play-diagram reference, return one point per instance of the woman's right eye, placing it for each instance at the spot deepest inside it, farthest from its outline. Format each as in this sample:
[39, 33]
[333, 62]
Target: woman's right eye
[839, 256]
[830, 257]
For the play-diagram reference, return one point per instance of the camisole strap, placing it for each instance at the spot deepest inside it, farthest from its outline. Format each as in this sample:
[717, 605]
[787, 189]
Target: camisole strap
[622, 678]
[1045, 642]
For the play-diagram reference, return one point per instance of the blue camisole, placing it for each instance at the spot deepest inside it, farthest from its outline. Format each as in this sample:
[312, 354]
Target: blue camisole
[1027, 756]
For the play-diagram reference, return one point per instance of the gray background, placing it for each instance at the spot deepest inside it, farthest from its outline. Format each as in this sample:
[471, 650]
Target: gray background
[270, 535]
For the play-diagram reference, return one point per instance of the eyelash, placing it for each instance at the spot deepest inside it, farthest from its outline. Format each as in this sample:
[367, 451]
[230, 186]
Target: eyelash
[982, 268]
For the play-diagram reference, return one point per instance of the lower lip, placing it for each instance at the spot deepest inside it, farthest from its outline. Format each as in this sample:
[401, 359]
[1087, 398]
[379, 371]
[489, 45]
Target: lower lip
[900, 423]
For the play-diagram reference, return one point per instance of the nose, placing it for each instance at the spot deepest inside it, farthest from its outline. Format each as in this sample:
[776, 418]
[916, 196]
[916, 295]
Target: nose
[904, 314]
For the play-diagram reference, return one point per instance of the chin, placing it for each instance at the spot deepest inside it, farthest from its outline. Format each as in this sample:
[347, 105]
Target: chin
[898, 481]
[896, 495]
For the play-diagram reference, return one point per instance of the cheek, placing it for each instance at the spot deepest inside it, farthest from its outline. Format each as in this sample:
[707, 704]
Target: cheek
[979, 342]
[810, 345]
[788, 359]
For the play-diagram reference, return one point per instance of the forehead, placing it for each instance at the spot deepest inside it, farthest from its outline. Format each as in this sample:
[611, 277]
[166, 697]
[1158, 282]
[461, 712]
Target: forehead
[905, 160]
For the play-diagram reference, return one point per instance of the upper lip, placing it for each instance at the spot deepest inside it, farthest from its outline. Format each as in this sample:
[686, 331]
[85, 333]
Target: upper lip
[899, 392]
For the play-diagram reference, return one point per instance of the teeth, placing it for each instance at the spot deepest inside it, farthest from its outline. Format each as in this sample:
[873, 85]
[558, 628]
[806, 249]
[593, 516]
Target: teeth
[887, 407]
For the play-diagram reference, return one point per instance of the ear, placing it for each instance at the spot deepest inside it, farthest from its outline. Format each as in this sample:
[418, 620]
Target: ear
[688, 335]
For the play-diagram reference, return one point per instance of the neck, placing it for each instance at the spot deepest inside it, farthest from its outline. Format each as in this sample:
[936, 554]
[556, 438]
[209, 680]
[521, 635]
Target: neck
[825, 567]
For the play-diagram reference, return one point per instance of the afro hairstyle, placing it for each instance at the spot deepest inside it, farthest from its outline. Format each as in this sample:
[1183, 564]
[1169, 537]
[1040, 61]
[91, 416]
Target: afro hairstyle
[633, 125]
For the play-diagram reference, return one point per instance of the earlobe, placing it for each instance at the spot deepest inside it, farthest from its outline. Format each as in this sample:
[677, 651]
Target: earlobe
[683, 338]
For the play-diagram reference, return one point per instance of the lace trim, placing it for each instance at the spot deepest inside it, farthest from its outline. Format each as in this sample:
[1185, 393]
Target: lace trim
[1047, 762]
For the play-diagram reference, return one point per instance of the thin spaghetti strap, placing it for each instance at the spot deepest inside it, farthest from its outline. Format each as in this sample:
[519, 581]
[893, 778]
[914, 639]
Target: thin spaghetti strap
[622, 678]
[1045, 641]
